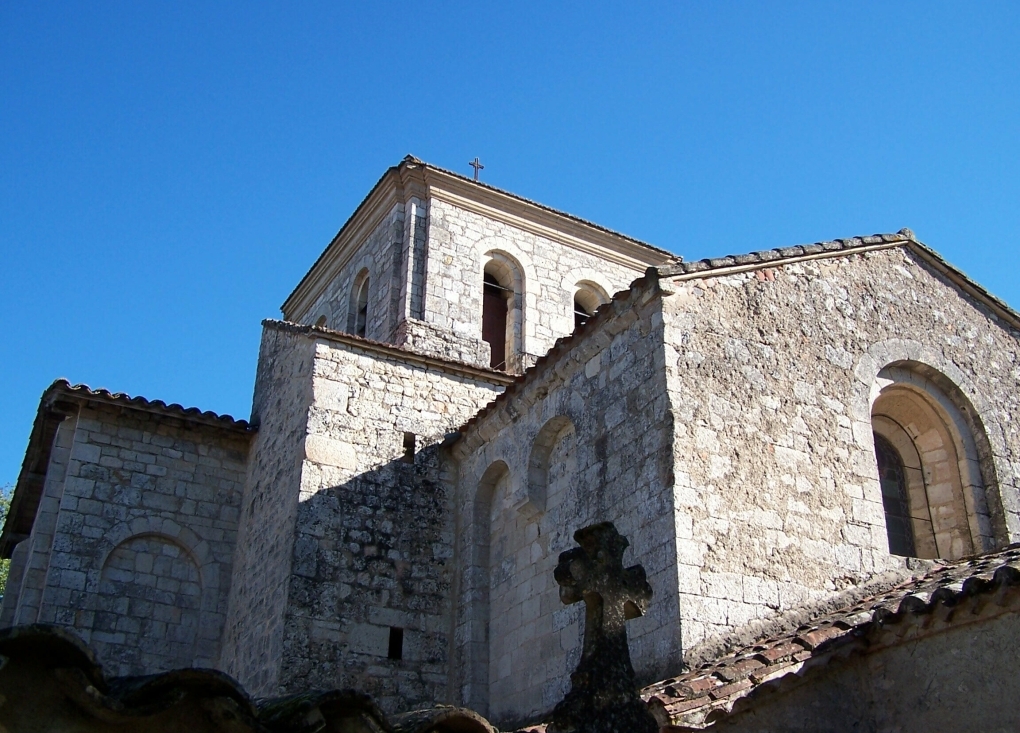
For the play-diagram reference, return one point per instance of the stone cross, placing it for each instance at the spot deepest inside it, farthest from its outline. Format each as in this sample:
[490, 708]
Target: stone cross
[603, 693]
[477, 165]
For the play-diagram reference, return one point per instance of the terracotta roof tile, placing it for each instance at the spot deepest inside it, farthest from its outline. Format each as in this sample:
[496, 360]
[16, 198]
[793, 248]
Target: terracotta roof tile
[767, 662]
[62, 387]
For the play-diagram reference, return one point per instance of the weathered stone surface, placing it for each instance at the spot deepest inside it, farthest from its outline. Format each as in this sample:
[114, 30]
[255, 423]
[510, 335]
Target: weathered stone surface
[133, 541]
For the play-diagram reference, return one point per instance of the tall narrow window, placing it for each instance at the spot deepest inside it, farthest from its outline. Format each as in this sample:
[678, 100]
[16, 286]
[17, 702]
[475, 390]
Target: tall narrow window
[892, 477]
[494, 313]
[361, 314]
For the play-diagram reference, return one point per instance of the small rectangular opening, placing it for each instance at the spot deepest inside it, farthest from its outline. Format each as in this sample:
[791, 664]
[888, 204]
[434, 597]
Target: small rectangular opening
[408, 456]
[396, 650]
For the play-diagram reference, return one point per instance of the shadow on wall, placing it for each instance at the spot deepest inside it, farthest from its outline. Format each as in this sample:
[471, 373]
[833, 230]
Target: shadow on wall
[368, 602]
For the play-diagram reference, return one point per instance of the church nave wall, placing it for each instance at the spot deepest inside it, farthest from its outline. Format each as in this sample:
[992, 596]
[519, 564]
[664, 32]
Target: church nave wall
[773, 374]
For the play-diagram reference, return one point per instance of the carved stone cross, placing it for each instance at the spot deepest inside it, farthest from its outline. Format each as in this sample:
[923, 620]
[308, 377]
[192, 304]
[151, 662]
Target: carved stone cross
[603, 693]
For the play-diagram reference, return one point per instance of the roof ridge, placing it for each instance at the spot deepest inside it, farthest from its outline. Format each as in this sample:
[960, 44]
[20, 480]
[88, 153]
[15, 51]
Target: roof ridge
[64, 386]
[798, 250]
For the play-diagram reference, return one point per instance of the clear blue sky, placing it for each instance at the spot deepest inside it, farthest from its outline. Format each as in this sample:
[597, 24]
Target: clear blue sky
[168, 171]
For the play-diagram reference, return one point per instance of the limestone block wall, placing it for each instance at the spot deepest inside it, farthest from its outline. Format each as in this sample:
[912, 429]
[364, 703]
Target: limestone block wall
[133, 541]
[772, 376]
[253, 637]
[368, 600]
[382, 254]
[458, 243]
[587, 438]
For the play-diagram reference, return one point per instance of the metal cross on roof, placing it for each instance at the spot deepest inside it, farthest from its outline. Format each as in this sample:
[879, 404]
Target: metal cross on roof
[477, 165]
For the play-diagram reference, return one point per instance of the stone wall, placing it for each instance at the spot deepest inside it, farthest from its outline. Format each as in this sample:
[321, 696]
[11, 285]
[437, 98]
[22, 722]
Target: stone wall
[368, 570]
[587, 438]
[133, 541]
[253, 639]
[459, 241]
[771, 376]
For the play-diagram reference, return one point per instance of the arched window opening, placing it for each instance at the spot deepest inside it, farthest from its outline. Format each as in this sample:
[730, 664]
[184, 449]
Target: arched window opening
[503, 311]
[321, 322]
[587, 299]
[931, 471]
[361, 319]
[357, 311]
[494, 313]
[892, 478]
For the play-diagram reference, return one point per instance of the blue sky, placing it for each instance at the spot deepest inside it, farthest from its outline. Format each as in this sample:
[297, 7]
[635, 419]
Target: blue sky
[169, 171]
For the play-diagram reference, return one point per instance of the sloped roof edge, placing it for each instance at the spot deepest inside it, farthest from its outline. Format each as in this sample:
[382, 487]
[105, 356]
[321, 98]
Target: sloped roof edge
[730, 683]
[717, 266]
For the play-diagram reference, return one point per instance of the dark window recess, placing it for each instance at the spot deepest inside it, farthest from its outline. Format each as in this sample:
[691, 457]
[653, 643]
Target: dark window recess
[408, 456]
[396, 650]
[580, 315]
[494, 312]
[892, 478]
[361, 314]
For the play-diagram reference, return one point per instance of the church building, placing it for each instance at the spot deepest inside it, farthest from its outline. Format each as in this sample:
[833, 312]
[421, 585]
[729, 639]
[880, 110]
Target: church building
[462, 380]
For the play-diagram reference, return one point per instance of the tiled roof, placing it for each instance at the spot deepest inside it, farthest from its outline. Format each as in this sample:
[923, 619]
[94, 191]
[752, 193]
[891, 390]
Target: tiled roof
[931, 600]
[63, 388]
[771, 255]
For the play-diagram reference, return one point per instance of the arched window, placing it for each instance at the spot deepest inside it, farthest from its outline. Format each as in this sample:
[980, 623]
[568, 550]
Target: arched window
[321, 322]
[357, 314]
[930, 469]
[503, 311]
[494, 312]
[587, 299]
[892, 478]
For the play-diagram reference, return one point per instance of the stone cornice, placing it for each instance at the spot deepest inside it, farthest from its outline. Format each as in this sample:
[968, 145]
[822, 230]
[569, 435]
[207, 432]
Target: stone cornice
[543, 221]
[398, 353]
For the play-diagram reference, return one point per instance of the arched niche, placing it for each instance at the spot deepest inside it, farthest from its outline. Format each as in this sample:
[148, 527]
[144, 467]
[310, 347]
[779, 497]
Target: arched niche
[147, 607]
[551, 463]
[475, 586]
[948, 475]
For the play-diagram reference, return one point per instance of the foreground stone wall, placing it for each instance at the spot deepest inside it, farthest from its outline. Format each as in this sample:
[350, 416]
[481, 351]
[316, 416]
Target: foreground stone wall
[373, 538]
[459, 240]
[771, 377]
[133, 542]
[587, 438]
[959, 679]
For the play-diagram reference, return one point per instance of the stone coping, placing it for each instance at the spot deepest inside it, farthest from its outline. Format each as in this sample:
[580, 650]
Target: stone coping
[399, 353]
